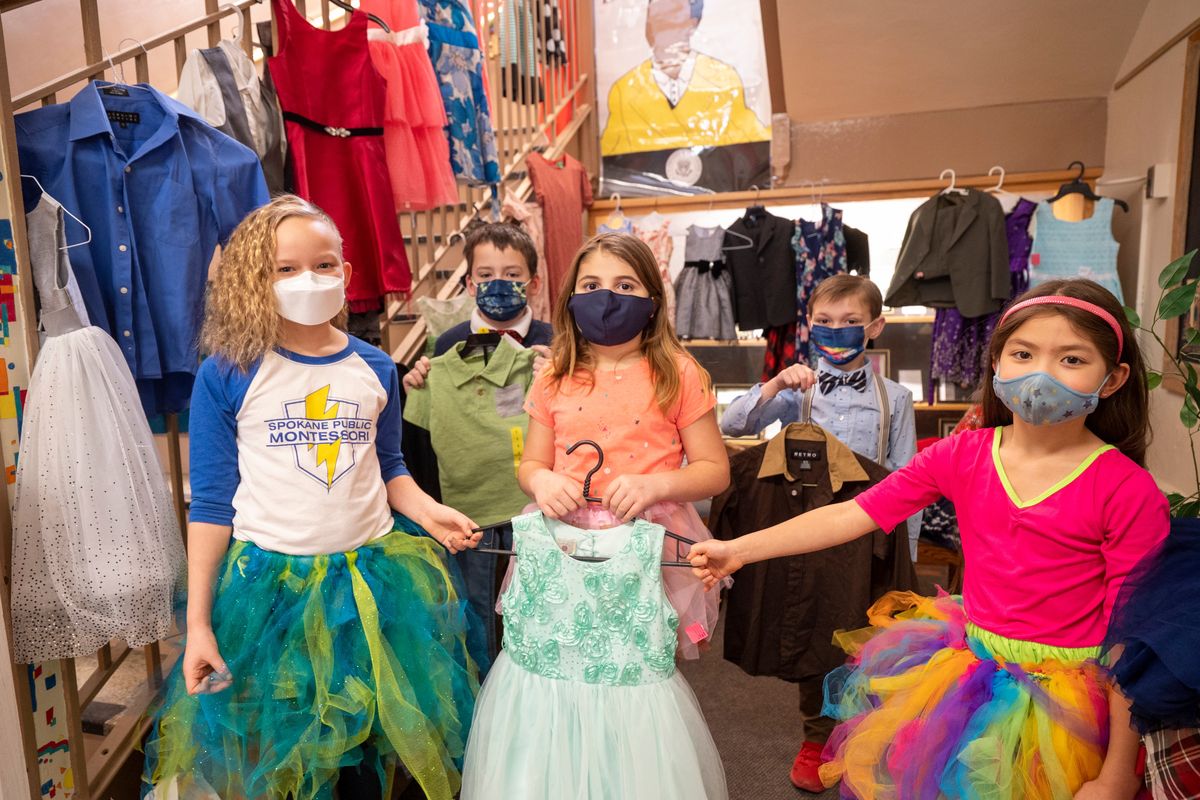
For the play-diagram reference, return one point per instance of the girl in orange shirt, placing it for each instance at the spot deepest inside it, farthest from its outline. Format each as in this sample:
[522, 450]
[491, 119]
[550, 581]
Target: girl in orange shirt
[619, 376]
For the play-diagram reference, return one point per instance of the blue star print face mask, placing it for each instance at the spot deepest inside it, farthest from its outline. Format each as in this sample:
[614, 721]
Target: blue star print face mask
[1041, 399]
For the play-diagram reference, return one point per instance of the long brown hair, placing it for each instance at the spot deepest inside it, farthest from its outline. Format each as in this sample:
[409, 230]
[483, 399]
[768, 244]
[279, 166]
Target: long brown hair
[241, 323]
[1122, 418]
[660, 346]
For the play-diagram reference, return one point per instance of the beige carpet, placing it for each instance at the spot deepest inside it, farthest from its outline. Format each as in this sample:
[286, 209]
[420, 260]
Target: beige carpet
[755, 723]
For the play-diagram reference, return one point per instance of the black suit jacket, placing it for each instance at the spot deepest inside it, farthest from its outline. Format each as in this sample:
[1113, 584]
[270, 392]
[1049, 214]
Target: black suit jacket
[955, 255]
[764, 273]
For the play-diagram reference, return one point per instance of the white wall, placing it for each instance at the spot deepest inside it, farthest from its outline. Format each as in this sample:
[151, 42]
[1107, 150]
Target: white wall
[1144, 119]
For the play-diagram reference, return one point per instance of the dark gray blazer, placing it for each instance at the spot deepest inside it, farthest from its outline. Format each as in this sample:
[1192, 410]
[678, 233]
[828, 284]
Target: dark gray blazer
[955, 255]
[764, 274]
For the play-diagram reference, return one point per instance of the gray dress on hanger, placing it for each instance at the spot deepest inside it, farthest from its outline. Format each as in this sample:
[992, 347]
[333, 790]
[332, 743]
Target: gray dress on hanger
[97, 551]
[704, 289]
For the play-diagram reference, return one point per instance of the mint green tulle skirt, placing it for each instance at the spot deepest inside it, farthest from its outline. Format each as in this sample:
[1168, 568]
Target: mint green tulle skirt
[350, 659]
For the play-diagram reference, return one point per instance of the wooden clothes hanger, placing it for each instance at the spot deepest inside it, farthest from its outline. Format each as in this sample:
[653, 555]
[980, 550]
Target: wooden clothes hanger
[1079, 186]
[491, 531]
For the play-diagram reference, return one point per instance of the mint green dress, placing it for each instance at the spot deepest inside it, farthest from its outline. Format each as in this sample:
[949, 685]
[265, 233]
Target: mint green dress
[584, 702]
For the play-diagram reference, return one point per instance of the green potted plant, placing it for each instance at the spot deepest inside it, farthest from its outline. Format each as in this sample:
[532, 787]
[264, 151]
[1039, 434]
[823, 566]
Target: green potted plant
[1176, 296]
[1159, 677]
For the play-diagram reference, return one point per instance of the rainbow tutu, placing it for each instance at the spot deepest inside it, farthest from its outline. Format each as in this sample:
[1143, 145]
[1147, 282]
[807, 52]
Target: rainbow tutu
[932, 706]
[350, 659]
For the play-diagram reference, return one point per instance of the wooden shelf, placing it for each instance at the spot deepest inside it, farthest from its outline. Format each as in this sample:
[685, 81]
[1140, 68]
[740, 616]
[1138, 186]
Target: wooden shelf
[892, 319]
[832, 193]
[909, 319]
[923, 406]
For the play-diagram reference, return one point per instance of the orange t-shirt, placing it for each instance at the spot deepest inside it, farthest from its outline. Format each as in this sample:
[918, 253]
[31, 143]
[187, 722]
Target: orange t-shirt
[618, 412]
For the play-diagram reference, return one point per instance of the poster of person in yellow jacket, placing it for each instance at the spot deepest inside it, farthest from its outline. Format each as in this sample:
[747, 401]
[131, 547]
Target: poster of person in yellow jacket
[692, 114]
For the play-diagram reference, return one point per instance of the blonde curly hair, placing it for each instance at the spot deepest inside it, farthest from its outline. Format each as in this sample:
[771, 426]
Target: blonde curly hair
[241, 323]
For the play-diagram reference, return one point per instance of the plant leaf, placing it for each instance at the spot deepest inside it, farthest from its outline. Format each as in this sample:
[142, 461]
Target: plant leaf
[1177, 301]
[1133, 317]
[1187, 416]
[1153, 380]
[1174, 272]
[1191, 373]
[1191, 397]
[1184, 510]
[1175, 498]
[1193, 336]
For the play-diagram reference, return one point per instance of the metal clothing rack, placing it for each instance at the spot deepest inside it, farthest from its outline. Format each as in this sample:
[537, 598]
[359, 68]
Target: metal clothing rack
[58, 757]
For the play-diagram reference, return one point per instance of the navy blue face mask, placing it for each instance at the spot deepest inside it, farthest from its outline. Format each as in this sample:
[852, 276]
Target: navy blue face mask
[501, 300]
[607, 318]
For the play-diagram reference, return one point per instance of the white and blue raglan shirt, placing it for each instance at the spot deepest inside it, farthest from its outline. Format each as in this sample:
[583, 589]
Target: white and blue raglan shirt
[295, 453]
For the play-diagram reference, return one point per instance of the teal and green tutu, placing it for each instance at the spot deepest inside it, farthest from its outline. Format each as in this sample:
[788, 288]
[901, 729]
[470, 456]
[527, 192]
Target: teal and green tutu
[356, 659]
[933, 706]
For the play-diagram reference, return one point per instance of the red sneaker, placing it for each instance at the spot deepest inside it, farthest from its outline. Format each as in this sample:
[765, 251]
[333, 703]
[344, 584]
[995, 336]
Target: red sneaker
[805, 768]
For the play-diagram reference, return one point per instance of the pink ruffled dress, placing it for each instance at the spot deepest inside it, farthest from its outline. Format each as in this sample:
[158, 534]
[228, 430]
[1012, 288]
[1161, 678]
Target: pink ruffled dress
[418, 154]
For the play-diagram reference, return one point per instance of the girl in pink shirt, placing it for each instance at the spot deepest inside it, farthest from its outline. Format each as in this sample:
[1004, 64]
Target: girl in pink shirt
[620, 377]
[1001, 693]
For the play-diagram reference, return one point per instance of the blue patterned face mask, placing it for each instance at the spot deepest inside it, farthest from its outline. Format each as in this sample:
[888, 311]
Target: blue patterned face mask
[839, 345]
[1041, 399]
[500, 300]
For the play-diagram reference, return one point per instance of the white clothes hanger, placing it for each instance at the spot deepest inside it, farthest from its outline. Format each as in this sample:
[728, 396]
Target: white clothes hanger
[953, 178]
[749, 243]
[999, 187]
[616, 219]
[236, 35]
[119, 69]
[46, 194]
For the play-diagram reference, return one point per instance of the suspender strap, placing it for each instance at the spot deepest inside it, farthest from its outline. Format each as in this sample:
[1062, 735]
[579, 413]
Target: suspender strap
[885, 412]
[885, 416]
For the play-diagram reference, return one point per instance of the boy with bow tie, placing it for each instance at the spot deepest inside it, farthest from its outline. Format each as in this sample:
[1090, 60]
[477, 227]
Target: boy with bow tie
[846, 398]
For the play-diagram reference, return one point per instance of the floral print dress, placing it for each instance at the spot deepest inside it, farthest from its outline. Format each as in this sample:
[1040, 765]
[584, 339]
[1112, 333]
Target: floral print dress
[820, 253]
[458, 62]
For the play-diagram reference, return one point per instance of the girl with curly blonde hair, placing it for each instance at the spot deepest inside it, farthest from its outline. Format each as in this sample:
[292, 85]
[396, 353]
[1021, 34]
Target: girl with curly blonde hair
[328, 640]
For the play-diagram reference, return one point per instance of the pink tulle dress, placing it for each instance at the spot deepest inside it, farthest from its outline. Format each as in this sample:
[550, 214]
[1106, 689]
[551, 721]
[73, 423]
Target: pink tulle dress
[418, 154]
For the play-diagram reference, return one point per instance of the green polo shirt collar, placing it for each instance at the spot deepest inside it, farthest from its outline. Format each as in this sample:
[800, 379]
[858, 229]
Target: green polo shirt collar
[496, 371]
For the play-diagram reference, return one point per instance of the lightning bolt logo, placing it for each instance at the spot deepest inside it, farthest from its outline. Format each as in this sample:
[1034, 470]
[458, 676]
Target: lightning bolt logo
[316, 407]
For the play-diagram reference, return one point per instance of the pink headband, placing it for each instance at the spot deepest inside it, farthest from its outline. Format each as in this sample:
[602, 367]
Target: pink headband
[1073, 302]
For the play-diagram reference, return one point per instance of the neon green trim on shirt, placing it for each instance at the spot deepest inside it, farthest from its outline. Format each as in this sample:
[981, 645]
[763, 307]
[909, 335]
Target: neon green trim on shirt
[1062, 484]
[1022, 651]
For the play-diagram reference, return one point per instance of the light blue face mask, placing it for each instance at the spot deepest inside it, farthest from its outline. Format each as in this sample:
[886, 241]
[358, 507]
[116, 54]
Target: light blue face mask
[1041, 399]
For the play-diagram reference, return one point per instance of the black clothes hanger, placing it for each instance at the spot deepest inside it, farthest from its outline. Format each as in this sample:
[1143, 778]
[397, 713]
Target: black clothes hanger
[1078, 186]
[587, 479]
[488, 342]
[370, 16]
[490, 532]
[755, 211]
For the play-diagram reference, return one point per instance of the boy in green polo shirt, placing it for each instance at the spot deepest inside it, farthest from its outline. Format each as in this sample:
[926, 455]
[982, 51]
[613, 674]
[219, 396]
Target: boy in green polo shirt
[473, 406]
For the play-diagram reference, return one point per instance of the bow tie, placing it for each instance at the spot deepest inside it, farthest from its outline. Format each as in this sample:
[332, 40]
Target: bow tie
[516, 337]
[856, 380]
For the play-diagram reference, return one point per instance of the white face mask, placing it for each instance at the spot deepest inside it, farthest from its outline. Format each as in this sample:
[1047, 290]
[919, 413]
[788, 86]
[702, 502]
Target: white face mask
[309, 298]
